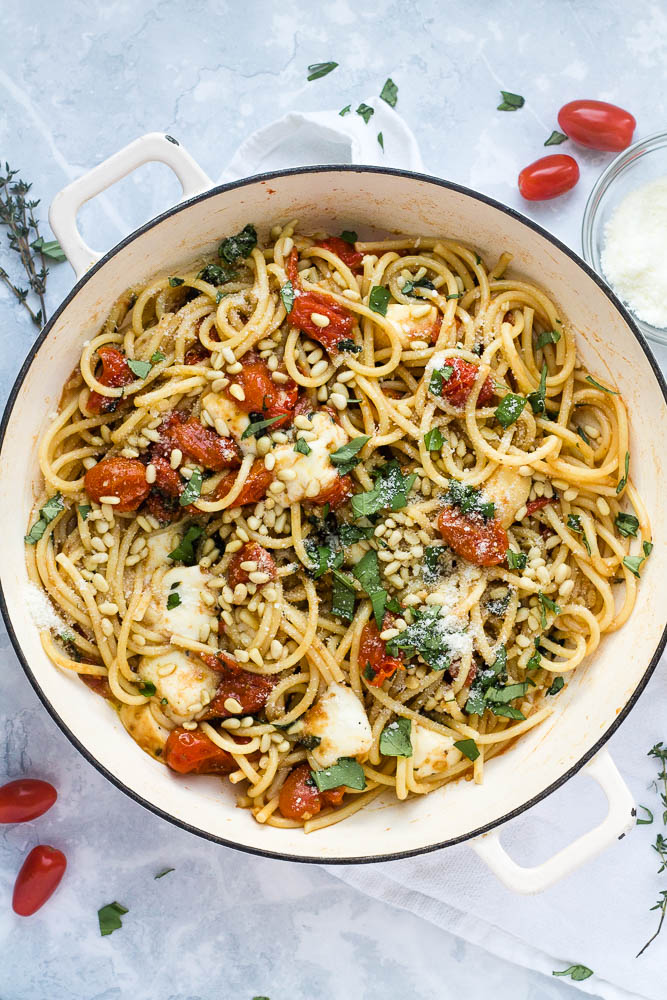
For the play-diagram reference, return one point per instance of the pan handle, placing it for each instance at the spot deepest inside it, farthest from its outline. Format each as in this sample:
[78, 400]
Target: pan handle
[619, 820]
[156, 146]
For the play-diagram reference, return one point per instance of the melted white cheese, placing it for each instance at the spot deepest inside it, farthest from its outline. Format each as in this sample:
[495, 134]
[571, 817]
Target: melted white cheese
[314, 468]
[237, 421]
[188, 686]
[187, 618]
[143, 727]
[340, 722]
[509, 492]
[431, 752]
[160, 544]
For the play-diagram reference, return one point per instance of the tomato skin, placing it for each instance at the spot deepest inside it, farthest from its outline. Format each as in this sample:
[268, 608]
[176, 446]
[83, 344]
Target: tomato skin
[262, 394]
[124, 478]
[253, 490]
[115, 373]
[191, 752]
[349, 256]
[250, 690]
[538, 504]
[335, 495]
[38, 879]
[459, 385]
[196, 354]
[25, 799]
[341, 321]
[100, 685]
[204, 445]
[251, 551]
[548, 177]
[373, 653]
[597, 125]
[483, 543]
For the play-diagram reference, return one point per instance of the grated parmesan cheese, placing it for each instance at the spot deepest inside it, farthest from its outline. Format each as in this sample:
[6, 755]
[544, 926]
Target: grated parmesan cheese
[41, 610]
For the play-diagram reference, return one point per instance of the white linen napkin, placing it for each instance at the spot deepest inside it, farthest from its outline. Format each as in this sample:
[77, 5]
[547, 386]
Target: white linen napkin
[598, 917]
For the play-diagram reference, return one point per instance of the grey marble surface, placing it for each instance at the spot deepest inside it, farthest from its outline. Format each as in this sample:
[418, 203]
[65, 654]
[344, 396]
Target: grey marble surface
[76, 84]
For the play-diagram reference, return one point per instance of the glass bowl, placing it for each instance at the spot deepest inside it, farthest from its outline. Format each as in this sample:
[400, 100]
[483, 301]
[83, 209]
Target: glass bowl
[637, 165]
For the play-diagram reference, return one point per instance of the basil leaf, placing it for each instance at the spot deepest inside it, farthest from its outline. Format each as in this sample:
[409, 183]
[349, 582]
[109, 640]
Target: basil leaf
[378, 300]
[109, 918]
[626, 525]
[432, 565]
[546, 603]
[624, 480]
[367, 572]
[235, 248]
[439, 376]
[469, 500]
[157, 356]
[536, 399]
[325, 557]
[610, 392]
[555, 139]
[391, 490]
[165, 871]
[574, 523]
[147, 688]
[173, 600]
[633, 563]
[53, 506]
[576, 972]
[344, 458]
[85, 509]
[49, 248]
[343, 596]
[389, 92]
[468, 748]
[184, 551]
[409, 287]
[366, 112]
[535, 660]
[429, 636]
[510, 409]
[433, 439]
[395, 738]
[348, 345]
[351, 533]
[381, 141]
[516, 560]
[584, 437]
[648, 548]
[318, 70]
[503, 695]
[308, 741]
[455, 295]
[349, 236]
[253, 429]
[175, 282]
[192, 489]
[345, 111]
[139, 368]
[548, 337]
[346, 771]
[510, 102]
[287, 295]
[216, 275]
[302, 447]
[507, 711]
[557, 685]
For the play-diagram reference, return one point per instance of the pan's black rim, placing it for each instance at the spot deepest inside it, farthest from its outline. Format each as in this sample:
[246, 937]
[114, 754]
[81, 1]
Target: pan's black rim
[182, 206]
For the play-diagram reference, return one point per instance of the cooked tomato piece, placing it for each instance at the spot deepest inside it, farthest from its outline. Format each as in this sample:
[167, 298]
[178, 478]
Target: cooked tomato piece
[100, 685]
[115, 373]
[251, 552]
[167, 480]
[340, 323]
[538, 504]
[344, 250]
[335, 495]
[373, 656]
[299, 797]
[262, 394]
[548, 177]
[124, 478]
[205, 446]
[25, 799]
[459, 385]
[597, 125]
[254, 488]
[163, 508]
[191, 752]
[481, 542]
[333, 796]
[196, 354]
[250, 690]
[38, 879]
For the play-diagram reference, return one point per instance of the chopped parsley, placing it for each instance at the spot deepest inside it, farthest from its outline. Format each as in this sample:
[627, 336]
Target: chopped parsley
[548, 337]
[235, 248]
[556, 138]
[622, 483]
[366, 112]
[395, 738]
[173, 601]
[185, 550]
[53, 506]
[109, 918]
[516, 560]
[139, 368]
[287, 295]
[367, 572]
[255, 427]
[510, 101]
[216, 275]
[345, 458]
[611, 392]
[439, 376]
[469, 500]
[468, 748]
[192, 489]
[433, 439]
[391, 490]
[378, 300]
[318, 70]
[389, 92]
[302, 447]
[346, 771]
[510, 409]
[626, 525]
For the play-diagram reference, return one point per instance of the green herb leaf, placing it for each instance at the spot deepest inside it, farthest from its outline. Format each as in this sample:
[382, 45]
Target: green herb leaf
[633, 563]
[381, 141]
[318, 70]
[555, 139]
[109, 918]
[147, 689]
[308, 741]
[346, 771]
[349, 346]
[49, 248]
[576, 972]
[469, 500]
[287, 295]
[367, 572]
[344, 458]
[510, 102]
[173, 600]
[626, 525]
[430, 636]
[216, 275]
[139, 368]
[439, 377]
[503, 695]
[546, 603]
[510, 409]
[395, 738]
[433, 439]
[516, 560]
[389, 92]
[349, 236]
[535, 660]
[610, 392]
[624, 480]
[648, 548]
[366, 112]
[165, 871]
[302, 447]
[351, 533]
[582, 434]
[84, 510]
[253, 429]
[185, 551]
[391, 490]
[468, 748]
[507, 711]
[536, 398]
[410, 286]
[454, 295]
[343, 596]
[236, 248]
[192, 489]
[345, 111]
[645, 822]
[557, 685]
[548, 337]
[378, 300]
[157, 356]
[175, 282]
[53, 506]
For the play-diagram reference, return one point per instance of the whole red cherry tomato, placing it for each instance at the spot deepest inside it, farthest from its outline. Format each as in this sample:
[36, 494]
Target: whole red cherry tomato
[597, 125]
[548, 177]
[25, 799]
[38, 879]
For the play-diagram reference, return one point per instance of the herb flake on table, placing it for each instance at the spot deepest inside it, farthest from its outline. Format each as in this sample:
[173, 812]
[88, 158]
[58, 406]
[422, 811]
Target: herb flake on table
[345, 111]
[381, 141]
[556, 138]
[109, 918]
[366, 112]
[317, 70]
[576, 972]
[510, 101]
[165, 871]
[389, 92]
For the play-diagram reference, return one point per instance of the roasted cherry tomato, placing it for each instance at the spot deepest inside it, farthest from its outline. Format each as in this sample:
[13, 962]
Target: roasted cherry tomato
[481, 542]
[263, 395]
[597, 125]
[124, 478]
[538, 504]
[299, 797]
[335, 495]
[191, 752]
[100, 685]
[458, 386]
[250, 690]
[344, 250]
[373, 658]
[196, 354]
[38, 879]
[198, 442]
[254, 488]
[548, 177]
[251, 552]
[115, 373]
[25, 799]
[305, 304]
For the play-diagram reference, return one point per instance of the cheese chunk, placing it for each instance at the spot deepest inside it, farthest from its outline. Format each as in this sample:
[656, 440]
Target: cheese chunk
[408, 326]
[237, 421]
[160, 544]
[187, 618]
[188, 685]
[432, 753]
[144, 728]
[340, 722]
[314, 473]
[509, 492]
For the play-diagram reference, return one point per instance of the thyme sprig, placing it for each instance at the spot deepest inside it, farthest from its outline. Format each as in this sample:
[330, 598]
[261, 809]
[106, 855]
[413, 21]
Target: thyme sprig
[17, 214]
[659, 751]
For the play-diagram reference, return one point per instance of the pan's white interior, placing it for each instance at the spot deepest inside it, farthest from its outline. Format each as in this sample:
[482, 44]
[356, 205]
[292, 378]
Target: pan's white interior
[368, 202]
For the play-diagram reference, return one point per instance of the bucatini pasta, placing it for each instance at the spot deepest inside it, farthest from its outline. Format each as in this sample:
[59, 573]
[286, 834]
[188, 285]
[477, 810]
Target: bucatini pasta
[333, 518]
